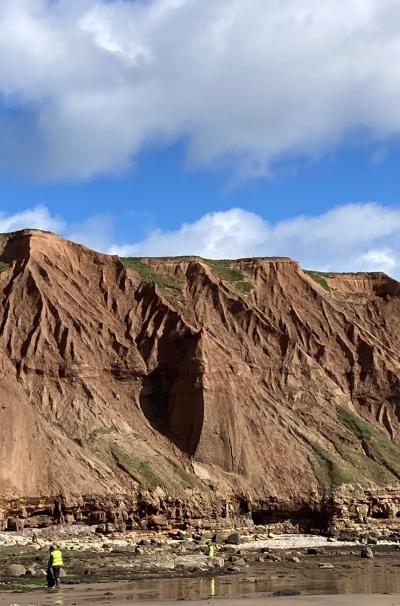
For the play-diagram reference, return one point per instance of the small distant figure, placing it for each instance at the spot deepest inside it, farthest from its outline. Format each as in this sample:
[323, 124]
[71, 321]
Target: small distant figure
[210, 551]
[54, 566]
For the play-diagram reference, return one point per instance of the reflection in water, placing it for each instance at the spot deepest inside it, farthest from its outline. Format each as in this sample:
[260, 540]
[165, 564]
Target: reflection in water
[375, 576]
[212, 588]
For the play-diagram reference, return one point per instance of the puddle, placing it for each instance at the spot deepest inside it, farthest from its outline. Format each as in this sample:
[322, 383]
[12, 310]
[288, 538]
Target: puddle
[350, 578]
[355, 576]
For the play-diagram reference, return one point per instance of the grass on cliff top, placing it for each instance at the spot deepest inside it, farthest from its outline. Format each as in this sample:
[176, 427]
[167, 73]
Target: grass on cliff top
[319, 277]
[170, 285]
[3, 266]
[223, 269]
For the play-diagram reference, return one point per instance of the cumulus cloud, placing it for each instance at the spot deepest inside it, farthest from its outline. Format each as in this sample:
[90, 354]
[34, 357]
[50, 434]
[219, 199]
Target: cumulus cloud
[96, 232]
[35, 218]
[353, 237]
[86, 84]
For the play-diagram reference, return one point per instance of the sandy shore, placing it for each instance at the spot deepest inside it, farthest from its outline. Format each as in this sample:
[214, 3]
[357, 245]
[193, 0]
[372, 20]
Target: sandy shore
[113, 595]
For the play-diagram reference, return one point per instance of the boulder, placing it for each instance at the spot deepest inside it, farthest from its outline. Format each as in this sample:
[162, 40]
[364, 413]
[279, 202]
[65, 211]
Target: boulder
[234, 569]
[101, 529]
[367, 552]
[315, 551]
[273, 558]
[217, 539]
[233, 539]
[15, 570]
[286, 593]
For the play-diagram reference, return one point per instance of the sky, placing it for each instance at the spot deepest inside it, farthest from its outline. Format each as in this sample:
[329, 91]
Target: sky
[226, 128]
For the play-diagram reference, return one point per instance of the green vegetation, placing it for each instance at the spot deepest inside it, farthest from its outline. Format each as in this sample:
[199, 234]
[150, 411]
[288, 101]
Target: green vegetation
[365, 455]
[365, 468]
[170, 285]
[377, 447]
[3, 266]
[331, 471]
[138, 469]
[173, 287]
[319, 277]
[322, 277]
[156, 470]
[29, 558]
[100, 431]
[223, 269]
[187, 479]
[23, 584]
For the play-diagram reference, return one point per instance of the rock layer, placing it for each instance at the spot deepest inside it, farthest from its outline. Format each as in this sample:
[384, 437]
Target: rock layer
[171, 390]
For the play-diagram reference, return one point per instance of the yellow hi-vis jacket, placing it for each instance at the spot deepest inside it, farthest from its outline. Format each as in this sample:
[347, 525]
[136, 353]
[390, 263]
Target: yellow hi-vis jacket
[56, 558]
[211, 551]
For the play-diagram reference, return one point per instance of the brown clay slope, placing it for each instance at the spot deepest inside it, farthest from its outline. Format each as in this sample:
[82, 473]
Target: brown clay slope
[195, 380]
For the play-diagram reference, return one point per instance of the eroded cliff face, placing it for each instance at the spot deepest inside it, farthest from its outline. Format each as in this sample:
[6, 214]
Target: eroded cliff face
[184, 389]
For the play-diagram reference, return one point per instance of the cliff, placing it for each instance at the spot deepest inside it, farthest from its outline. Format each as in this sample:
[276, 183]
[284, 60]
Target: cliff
[147, 390]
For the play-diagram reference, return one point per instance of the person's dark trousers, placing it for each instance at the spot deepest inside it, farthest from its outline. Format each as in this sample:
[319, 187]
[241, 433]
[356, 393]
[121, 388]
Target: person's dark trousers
[56, 574]
[50, 578]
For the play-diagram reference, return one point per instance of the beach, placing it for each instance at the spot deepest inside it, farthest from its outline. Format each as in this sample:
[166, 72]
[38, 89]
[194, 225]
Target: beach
[116, 596]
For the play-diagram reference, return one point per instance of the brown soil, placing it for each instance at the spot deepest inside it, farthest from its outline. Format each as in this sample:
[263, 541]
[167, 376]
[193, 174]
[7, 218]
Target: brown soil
[180, 388]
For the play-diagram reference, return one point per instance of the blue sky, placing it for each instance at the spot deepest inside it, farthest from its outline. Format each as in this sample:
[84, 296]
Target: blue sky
[237, 128]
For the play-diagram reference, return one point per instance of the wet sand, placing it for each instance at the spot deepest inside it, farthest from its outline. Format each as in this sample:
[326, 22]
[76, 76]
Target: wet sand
[335, 574]
[356, 582]
[115, 595]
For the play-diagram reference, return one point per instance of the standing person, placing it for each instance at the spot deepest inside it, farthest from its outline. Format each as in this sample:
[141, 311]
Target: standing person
[54, 567]
[210, 551]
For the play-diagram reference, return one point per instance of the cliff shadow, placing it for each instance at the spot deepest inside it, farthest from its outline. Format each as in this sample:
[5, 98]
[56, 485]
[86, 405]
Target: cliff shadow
[172, 401]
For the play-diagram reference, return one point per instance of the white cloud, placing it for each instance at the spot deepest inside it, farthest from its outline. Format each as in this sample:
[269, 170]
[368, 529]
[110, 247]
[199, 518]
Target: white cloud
[96, 232]
[353, 237]
[37, 218]
[385, 259]
[90, 82]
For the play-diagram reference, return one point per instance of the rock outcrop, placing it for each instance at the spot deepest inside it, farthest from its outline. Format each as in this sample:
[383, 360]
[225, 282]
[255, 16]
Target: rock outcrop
[173, 391]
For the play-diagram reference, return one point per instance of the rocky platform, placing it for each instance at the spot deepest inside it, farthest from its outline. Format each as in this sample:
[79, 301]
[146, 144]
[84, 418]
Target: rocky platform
[256, 562]
[155, 393]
